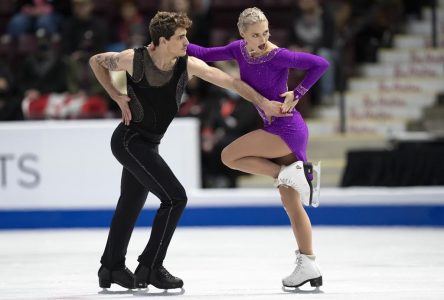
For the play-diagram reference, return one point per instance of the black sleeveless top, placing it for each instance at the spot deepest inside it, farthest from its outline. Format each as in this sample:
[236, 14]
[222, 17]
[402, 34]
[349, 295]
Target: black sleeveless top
[155, 94]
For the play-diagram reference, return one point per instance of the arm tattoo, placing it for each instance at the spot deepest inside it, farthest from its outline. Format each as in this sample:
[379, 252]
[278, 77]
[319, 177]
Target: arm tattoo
[109, 62]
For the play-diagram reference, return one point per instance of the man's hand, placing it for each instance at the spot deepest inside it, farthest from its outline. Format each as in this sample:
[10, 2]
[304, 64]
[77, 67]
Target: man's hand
[274, 109]
[289, 102]
[122, 101]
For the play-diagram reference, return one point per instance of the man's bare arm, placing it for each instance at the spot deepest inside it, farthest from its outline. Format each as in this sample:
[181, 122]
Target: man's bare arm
[102, 64]
[197, 67]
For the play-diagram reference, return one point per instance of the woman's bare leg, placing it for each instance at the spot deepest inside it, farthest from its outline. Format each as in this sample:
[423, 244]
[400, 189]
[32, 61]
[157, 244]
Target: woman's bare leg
[251, 153]
[262, 153]
[300, 222]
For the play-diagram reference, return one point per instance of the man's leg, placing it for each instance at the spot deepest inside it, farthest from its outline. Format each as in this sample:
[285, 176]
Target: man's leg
[164, 184]
[143, 160]
[132, 198]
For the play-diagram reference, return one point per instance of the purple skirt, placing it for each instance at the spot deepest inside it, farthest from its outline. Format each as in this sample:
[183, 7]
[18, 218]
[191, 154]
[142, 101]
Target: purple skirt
[293, 131]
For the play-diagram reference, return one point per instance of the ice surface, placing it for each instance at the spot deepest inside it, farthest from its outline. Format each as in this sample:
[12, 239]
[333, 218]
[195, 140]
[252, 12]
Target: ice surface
[239, 263]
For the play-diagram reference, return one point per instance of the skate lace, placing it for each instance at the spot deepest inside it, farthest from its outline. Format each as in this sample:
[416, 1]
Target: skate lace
[298, 263]
[129, 271]
[165, 273]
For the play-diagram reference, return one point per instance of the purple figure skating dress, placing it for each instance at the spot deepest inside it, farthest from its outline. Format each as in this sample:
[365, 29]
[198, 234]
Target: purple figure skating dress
[268, 75]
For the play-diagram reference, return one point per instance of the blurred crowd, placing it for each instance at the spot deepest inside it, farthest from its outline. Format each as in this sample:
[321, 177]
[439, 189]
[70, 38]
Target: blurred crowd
[45, 46]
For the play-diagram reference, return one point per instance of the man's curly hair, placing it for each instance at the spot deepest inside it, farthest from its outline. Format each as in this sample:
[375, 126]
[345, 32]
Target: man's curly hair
[164, 24]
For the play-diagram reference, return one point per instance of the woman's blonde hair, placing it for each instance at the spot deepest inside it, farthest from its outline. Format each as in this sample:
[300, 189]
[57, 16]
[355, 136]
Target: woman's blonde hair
[250, 16]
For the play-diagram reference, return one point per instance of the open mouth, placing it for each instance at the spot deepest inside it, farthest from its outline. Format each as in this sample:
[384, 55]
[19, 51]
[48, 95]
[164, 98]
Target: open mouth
[262, 47]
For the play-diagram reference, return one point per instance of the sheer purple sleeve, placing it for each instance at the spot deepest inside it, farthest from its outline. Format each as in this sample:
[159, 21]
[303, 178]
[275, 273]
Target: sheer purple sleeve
[213, 53]
[314, 65]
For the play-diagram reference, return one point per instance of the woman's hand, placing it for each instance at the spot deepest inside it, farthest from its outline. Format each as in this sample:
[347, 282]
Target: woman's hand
[274, 109]
[289, 102]
[122, 101]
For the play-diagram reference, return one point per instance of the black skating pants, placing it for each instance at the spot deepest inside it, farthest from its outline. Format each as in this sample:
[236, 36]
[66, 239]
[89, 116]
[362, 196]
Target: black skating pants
[144, 170]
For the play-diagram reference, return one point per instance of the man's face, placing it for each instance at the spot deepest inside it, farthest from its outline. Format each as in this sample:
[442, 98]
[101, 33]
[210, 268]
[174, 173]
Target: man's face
[177, 44]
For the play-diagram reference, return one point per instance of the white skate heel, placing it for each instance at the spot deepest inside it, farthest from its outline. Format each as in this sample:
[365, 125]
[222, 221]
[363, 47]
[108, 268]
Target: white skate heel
[295, 176]
[306, 270]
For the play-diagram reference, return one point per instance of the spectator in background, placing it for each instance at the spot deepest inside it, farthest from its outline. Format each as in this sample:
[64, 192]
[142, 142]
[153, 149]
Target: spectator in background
[33, 15]
[131, 22]
[130, 28]
[43, 78]
[43, 71]
[131, 35]
[227, 117]
[377, 23]
[198, 12]
[10, 108]
[313, 30]
[81, 83]
[84, 27]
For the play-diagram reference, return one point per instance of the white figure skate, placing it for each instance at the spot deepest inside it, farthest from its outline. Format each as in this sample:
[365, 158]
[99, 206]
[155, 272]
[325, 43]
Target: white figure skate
[306, 270]
[295, 176]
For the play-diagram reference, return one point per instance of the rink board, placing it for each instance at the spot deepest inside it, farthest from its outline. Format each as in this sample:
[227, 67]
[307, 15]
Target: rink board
[61, 174]
[258, 207]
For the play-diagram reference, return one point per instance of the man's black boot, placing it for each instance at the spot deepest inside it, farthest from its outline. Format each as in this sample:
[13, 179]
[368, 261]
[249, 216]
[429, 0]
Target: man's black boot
[142, 275]
[123, 277]
[158, 277]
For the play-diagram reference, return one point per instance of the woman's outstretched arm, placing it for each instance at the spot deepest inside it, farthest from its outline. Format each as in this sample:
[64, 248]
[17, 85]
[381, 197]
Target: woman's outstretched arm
[213, 53]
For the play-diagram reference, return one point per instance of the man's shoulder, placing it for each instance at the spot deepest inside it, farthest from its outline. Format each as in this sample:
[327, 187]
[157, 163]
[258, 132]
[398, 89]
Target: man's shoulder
[192, 61]
[129, 54]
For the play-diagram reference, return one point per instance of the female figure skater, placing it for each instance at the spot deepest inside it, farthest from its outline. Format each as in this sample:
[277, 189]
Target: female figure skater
[279, 149]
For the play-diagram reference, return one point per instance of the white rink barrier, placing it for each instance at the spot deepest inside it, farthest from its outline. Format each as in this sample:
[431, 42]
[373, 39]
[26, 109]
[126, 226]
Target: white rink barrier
[70, 164]
[63, 175]
[416, 206]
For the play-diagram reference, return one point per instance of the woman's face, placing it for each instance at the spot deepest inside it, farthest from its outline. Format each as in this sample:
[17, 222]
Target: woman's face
[256, 36]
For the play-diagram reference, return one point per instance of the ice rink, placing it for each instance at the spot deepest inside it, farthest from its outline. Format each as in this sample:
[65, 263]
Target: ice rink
[232, 263]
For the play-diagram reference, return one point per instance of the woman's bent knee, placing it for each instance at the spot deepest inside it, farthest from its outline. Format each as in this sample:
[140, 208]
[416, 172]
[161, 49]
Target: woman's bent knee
[226, 157]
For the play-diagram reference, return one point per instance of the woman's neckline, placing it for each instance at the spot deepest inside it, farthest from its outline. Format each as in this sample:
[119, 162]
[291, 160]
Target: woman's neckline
[257, 59]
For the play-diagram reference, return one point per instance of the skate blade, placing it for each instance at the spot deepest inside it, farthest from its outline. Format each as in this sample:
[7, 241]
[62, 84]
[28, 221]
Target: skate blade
[317, 188]
[297, 290]
[160, 292]
[106, 291]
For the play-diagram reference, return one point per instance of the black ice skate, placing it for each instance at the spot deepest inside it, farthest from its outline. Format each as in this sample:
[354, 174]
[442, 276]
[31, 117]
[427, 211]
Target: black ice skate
[123, 277]
[159, 277]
